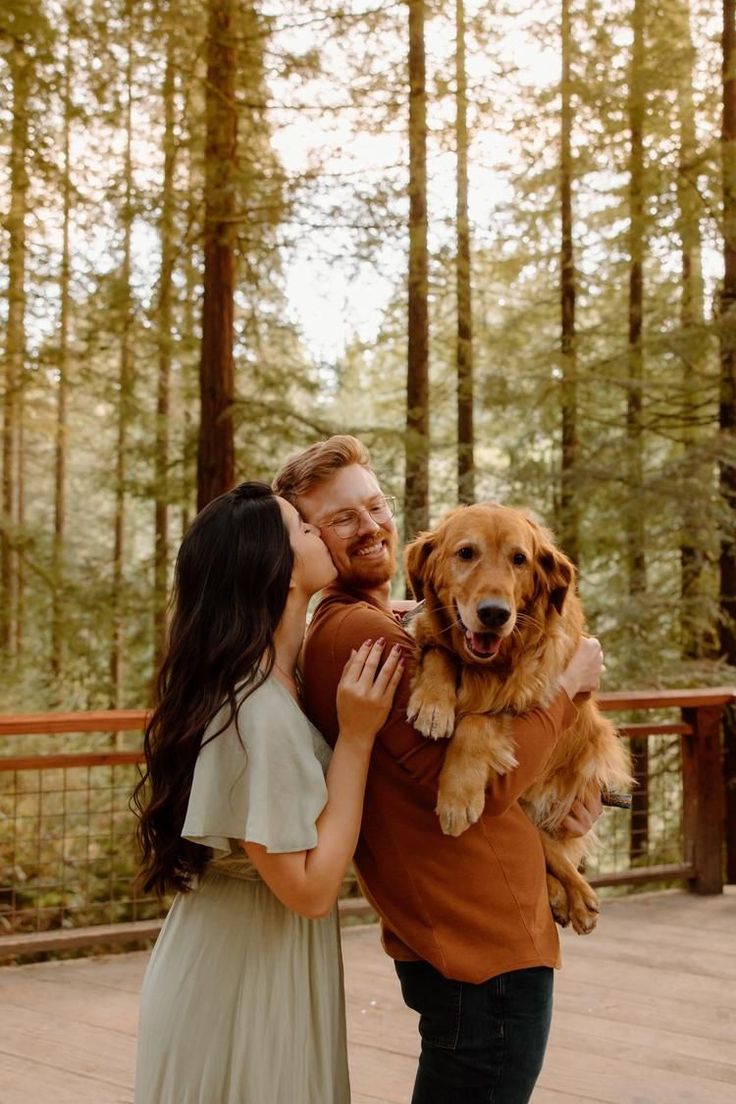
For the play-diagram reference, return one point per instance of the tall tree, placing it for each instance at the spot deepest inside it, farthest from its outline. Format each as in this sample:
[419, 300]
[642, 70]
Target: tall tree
[125, 385]
[464, 347]
[635, 352]
[569, 521]
[60, 451]
[165, 339]
[635, 531]
[416, 476]
[727, 334]
[216, 453]
[20, 63]
[727, 416]
[694, 543]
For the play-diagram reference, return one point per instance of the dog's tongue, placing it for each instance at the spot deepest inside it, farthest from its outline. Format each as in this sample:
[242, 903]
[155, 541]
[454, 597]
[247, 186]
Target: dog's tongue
[484, 643]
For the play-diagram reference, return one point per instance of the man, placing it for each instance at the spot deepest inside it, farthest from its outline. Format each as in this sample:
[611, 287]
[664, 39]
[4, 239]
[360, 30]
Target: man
[467, 919]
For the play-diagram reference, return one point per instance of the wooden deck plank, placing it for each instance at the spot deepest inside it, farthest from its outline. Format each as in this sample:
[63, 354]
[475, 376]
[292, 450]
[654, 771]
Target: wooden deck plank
[645, 1013]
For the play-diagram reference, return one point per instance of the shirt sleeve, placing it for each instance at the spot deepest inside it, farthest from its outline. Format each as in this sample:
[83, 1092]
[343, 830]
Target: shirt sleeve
[534, 733]
[258, 780]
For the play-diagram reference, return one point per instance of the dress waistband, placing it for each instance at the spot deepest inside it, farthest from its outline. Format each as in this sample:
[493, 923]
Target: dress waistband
[235, 868]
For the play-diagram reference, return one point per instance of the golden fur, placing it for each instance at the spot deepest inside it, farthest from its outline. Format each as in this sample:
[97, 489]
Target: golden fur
[500, 622]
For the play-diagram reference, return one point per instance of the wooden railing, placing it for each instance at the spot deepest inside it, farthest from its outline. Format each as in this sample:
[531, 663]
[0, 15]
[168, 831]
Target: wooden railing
[694, 732]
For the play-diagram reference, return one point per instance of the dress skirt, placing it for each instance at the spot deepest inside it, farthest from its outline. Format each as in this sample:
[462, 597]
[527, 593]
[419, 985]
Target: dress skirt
[242, 1002]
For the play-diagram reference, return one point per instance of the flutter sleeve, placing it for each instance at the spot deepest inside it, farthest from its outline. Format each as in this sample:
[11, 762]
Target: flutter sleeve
[259, 780]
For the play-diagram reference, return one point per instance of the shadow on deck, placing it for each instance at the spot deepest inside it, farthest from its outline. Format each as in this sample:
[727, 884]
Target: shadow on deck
[645, 1013]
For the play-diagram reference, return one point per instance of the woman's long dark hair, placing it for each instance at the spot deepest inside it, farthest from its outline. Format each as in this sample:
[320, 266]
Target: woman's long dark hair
[230, 589]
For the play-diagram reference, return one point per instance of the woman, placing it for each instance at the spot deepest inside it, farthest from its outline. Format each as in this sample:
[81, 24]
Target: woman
[242, 1000]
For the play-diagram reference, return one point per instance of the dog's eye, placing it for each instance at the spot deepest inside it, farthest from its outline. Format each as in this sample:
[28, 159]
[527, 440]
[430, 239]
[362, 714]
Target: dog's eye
[519, 559]
[465, 553]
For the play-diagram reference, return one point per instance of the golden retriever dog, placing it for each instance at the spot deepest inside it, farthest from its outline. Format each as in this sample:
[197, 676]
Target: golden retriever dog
[500, 622]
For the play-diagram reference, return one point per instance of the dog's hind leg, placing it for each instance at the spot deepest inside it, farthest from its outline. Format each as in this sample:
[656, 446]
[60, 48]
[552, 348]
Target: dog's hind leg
[582, 907]
[558, 901]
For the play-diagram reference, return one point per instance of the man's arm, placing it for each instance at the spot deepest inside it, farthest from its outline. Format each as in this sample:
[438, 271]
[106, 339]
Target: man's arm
[328, 646]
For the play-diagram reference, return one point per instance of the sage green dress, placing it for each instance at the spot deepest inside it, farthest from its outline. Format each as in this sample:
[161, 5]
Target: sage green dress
[242, 1001]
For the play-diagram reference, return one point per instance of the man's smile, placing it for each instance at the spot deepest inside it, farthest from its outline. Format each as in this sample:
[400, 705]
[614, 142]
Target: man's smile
[375, 548]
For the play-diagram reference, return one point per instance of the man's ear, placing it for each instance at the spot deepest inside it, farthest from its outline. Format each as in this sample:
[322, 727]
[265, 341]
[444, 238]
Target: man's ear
[416, 555]
[559, 573]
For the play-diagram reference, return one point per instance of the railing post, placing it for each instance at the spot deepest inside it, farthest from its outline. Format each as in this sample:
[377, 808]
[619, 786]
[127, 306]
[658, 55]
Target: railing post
[703, 797]
[729, 778]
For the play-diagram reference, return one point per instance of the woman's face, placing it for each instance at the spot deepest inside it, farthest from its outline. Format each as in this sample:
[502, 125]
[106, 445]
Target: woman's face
[313, 566]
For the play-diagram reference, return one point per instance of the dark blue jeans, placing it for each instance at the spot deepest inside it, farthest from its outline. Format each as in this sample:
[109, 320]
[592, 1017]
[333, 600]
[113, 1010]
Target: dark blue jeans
[481, 1044]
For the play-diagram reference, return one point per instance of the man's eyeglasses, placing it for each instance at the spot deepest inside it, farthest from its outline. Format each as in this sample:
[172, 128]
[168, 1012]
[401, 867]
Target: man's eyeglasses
[347, 523]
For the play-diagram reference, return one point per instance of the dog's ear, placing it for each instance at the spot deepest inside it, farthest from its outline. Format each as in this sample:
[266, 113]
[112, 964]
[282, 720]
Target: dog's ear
[416, 555]
[557, 570]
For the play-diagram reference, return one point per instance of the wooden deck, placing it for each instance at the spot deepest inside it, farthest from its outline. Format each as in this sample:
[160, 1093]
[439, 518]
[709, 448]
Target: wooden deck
[645, 1013]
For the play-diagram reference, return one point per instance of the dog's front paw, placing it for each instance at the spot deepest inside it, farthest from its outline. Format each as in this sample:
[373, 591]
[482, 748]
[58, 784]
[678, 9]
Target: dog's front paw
[459, 809]
[584, 910]
[433, 718]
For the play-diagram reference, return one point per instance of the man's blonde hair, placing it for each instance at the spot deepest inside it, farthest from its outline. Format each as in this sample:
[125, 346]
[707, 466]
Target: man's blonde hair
[318, 463]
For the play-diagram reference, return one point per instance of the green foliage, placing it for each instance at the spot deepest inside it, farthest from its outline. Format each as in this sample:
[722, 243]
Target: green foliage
[322, 189]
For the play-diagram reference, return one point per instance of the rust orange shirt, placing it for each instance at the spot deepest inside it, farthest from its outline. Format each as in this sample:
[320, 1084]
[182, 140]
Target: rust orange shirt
[475, 905]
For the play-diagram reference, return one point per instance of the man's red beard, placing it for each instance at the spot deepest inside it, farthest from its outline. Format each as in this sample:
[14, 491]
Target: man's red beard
[367, 573]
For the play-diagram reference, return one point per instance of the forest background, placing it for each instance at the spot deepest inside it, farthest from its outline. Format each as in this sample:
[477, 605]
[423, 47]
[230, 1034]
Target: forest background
[495, 241]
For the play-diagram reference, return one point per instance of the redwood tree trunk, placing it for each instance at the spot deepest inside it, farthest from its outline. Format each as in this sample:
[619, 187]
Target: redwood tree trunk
[569, 528]
[216, 455]
[57, 601]
[416, 494]
[161, 480]
[634, 430]
[464, 354]
[635, 532]
[20, 70]
[696, 525]
[727, 415]
[124, 402]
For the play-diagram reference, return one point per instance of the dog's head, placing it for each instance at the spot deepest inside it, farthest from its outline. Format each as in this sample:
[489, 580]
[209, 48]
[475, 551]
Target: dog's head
[485, 572]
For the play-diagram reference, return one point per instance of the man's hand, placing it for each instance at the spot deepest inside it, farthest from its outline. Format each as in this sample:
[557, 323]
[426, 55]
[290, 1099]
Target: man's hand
[584, 813]
[403, 605]
[583, 672]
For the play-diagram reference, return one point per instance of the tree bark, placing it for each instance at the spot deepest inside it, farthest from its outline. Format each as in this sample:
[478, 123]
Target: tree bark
[161, 464]
[727, 334]
[15, 341]
[694, 631]
[216, 453]
[727, 406]
[124, 401]
[635, 531]
[464, 350]
[57, 601]
[416, 492]
[569, 527]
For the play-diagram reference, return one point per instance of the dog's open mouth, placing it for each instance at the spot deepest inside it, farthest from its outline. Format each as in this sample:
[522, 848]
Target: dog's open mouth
[482, 645]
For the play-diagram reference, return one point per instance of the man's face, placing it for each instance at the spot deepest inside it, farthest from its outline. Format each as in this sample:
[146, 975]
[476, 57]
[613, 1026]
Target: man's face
[367, 558]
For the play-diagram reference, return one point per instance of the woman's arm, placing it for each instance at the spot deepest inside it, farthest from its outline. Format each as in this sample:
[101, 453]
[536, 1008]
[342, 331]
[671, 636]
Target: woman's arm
[308, 882]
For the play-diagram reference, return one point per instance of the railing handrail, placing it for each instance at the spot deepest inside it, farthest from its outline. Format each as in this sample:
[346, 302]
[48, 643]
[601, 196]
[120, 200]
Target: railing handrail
[98, 720]
[134, 720]
[688, 698]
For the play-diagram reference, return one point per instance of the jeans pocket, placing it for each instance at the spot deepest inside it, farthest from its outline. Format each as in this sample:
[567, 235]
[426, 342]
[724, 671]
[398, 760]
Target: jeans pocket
[437, 999]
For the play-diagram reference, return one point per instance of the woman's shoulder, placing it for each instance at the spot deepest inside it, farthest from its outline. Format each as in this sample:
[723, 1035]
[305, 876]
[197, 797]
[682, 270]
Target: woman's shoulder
[279, 718]
[265, 721]
[269, 707]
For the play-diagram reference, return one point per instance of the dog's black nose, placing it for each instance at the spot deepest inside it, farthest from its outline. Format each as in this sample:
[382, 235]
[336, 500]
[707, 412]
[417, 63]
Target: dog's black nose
[492, 613]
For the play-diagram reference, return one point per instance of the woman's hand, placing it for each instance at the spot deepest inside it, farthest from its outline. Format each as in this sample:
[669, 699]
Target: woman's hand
[364, 698]
[583, 672]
